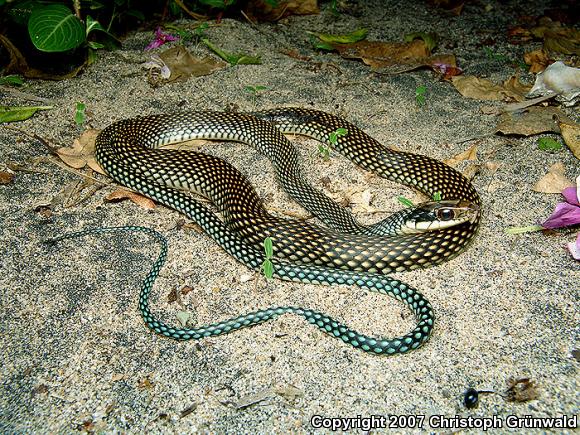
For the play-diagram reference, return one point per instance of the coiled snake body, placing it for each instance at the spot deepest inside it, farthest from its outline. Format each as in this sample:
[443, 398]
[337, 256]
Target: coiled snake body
[128, 151]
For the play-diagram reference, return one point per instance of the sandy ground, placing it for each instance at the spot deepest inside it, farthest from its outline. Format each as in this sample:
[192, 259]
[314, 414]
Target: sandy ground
[76, 354]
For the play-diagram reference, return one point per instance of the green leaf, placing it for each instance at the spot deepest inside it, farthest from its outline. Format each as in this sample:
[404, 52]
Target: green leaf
[136, 14]
[95, 45]
[110, 42]
[320, 45]
[521, 230]
[437, 196]
[232, 59]
[341, 131]
[430, 39]
[268, 247]
[20, 12]
[348, 38]
[13, 80]
[405, 201]
[220, 4]
[268, 269]
[55, 28]
[420, 95]
[548, 144]
[80, 114]
[19, 113]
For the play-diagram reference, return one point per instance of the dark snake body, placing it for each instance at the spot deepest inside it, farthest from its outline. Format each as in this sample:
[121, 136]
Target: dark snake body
[127, 150]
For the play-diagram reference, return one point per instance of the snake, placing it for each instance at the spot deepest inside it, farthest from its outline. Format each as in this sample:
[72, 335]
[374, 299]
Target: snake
[342, 252]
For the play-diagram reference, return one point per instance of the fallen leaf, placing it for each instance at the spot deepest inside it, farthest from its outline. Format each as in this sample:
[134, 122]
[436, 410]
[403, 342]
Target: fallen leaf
[82, 152]
[558, 38]
[182, 64]
[534, 120]
[454, 7]
[516, 88]
[348, 38]
[145, 383]
[6, 177]
[253, 399]
[361, 201]
[521, 390]
[518, 35]
[468, 154]
[186, 289]
[122, 194]
[19, 113]
[118, 377]
[554, 181]
[378, 54]
[537, 59]
[289, 392]
[183, 317]
[571, 134]
[483, 89]
[265, 10]
[246, 277]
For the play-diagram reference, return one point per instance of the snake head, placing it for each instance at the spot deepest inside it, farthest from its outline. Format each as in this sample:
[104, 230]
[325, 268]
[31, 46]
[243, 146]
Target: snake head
[432, 216]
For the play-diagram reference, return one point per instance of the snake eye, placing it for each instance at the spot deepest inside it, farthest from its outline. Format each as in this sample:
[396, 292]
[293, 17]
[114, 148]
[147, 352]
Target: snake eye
[445, 214]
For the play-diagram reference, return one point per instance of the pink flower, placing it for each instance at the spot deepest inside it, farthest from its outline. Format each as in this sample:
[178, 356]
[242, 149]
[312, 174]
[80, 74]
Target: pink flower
[161, 38]
[567, 214]
[574, 248]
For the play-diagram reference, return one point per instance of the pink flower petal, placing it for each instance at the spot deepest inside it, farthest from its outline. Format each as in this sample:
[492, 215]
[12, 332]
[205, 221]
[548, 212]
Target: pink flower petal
[153, 44]
[571, 195]
[574, 248]
[161, 38]
[564, 215]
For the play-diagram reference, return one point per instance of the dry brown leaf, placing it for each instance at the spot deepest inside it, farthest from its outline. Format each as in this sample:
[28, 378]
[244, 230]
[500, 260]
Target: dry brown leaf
[492, 167]
[82, 152]
[122, 194]
[483, 89]
[558, 38]
[289, 392]
[264, 11]
[398, 57]
[6, 177]
[521, 390]
[516, 89]
[182, 64]
[571, 135]
[554, 181]
[361, 201]
[471, 170]
[454, 7]
[537, 59]
[534, 120]
[468, 154]
[379, 54]
[519, 35]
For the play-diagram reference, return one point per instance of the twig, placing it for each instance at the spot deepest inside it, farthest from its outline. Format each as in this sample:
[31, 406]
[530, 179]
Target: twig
[75, 171]
[519, 106]
[25, 95]
[253, 24]
[190, 13]
[479, 136]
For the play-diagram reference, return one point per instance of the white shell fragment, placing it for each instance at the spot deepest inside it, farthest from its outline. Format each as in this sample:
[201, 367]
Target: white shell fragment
[558, 79]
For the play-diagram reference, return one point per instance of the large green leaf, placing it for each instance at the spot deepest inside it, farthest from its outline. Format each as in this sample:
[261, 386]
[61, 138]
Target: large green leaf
[55, 28]
[19, 113]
